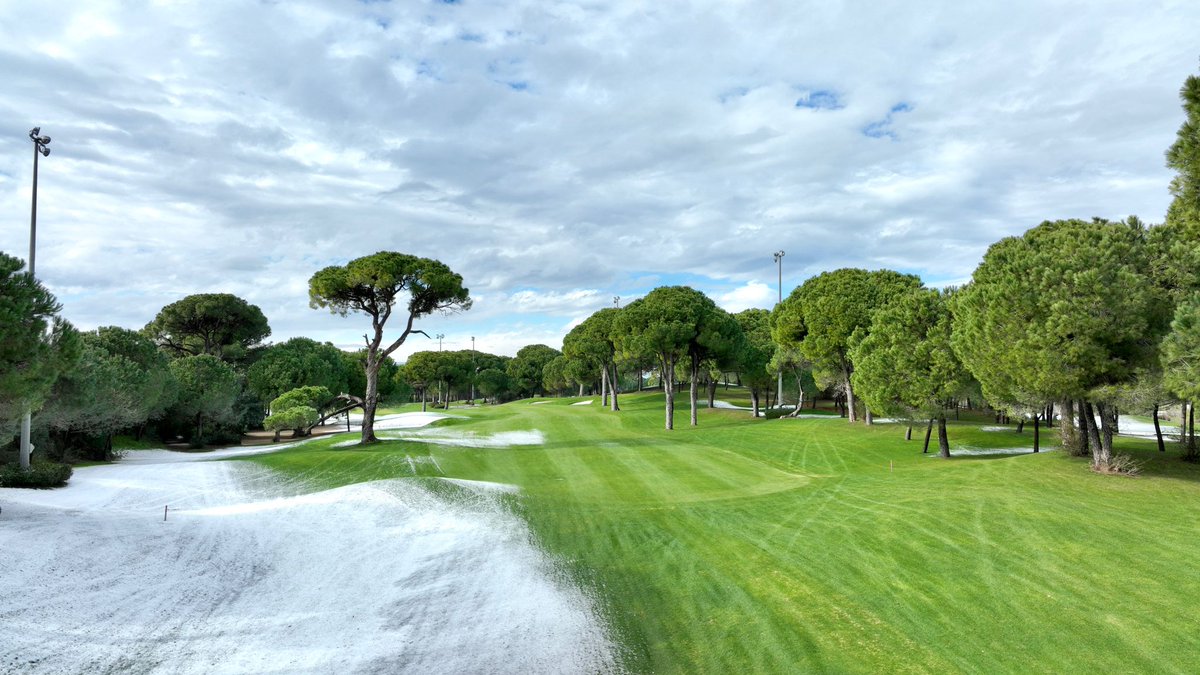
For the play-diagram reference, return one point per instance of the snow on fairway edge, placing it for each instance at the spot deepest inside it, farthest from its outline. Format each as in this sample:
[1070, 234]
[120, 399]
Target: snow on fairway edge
[384, 576]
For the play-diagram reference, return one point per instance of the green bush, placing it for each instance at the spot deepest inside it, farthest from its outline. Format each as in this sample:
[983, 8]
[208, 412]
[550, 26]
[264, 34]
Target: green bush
[39, 475]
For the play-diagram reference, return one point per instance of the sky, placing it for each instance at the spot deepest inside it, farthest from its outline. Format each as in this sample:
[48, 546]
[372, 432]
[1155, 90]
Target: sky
[559, 155]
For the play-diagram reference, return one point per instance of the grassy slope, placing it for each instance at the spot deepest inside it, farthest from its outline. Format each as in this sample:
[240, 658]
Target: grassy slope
[784, 546]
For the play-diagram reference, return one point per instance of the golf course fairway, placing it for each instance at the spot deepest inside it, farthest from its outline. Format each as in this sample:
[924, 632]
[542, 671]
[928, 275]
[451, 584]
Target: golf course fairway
[815, 545]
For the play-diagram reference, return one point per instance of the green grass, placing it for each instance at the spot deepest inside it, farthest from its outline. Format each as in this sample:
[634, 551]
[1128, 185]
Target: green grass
[791, 546]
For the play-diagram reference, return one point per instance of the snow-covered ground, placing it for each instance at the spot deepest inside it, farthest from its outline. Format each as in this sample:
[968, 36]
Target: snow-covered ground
[249, 576]
[967, 450]
[1131, 427]
[468, 439]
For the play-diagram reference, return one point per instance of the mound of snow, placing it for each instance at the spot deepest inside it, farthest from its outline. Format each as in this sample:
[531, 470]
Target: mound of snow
[245, 576]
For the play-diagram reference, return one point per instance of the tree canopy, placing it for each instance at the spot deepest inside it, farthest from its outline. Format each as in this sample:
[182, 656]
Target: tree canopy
[36, 345]
[755, 353]
[374, 285]
[527, 368]
[218, 324]
[121, 380]
[673, 324]
[905, 365]
[824, 315]
[1058, 312]
[301, 362]
[208, 390]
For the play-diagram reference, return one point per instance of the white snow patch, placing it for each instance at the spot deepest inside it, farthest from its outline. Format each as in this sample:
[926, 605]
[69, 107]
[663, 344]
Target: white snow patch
[483, 486]
[1137, 429]
[996, 429]
[1023, 450]
[540, 402]
[470, 439]
[587, 402]
[245, 577]
[728, 406]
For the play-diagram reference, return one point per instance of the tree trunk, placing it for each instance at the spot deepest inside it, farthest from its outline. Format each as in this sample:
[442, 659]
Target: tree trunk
[1036, 434]
[692, 386]
[371, 400]
[928, 433]
[615, 387]
[1094, 443]
[668, 382]
[581, 390]
[849, 395]
[1158, 431]
[799, 395]
[1102, 454]
[867, 418]
[1084, 442]
[422, 401]
[1183, 409]
[943, 441]
[712, 393]
[1108, 425]
[604, 385]
[1021, 425]
[1192, 426]
[1066, 429]
[1191, 453]
[754, 400]
[908, 433]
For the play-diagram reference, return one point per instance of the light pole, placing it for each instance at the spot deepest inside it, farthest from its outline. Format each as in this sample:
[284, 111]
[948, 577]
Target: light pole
[779, 262]
[473, 370]
[617, 301]
[439, 337]
[40, 144]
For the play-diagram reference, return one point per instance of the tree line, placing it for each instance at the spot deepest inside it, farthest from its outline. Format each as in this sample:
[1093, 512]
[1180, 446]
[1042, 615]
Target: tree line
[1067, 323]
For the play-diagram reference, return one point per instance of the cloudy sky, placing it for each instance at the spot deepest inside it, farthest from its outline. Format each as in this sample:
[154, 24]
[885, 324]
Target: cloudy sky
[557, 154]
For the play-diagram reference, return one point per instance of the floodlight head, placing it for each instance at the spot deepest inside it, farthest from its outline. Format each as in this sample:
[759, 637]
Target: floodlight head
[44, 140]
[45, 151]
[34, 132]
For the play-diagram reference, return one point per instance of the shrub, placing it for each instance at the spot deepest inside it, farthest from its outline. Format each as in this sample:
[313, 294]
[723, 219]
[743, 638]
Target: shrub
[38, 475]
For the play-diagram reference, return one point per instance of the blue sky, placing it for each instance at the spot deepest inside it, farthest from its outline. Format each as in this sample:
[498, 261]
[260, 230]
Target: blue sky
[558, 154]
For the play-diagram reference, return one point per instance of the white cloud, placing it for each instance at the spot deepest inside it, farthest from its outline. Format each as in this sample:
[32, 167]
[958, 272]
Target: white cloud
[554, 153]
[753, 294]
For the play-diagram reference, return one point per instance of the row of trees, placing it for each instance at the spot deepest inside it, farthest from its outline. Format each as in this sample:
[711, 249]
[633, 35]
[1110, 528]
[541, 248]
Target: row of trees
[1082, 316]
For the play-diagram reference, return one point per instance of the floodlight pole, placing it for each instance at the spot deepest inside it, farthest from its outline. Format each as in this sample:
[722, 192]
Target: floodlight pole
[40, 144]
[474, 370]
[779, 262]
[439, 337]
